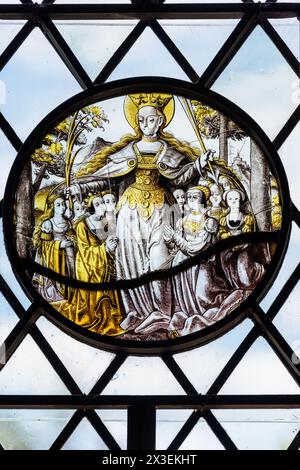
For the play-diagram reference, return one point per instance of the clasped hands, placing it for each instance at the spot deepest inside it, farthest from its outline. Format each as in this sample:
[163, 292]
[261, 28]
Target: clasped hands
[168, 233]
[66, 243]
[111, 243]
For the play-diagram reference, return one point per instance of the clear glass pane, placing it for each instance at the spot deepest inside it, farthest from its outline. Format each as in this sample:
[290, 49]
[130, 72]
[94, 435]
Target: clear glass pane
[31, 429]
[288, 322]
[199, 40]
[271, 101]
[8, 320]
[8, 274]
[64, 241]
[9, 29]
[291, 161]
[95, 42]
[168, 425]
[133, 378]
[7, 156]
[203, 365]
[86, 364]
[159, 61]
[116, 423]
[288, 319]
[289, 264]
[260, 429]
[260, 372]
[260, 81]
[46, 82]
[84, 438]
[201, 438]
[29, 373]
[288, 29]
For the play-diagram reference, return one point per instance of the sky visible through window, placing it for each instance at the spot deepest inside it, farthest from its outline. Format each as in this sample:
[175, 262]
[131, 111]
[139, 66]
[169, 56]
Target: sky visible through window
[258, 80]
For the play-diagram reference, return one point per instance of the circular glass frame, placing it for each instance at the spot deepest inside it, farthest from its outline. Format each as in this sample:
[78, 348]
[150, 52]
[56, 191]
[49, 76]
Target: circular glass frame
[122, 88]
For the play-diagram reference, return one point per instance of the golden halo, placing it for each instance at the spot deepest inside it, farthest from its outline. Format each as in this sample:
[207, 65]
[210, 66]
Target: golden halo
[131, 109]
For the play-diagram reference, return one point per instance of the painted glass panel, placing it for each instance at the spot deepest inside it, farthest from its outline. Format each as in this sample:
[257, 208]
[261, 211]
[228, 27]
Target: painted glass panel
[138, 199]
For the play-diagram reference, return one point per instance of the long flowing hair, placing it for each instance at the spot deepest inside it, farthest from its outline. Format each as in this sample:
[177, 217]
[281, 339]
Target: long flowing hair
[100, 158]
[48, 214]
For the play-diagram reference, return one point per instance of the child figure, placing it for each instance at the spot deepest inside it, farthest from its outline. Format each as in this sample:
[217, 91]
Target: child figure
[195, 229]
[110, 203]
[218, 208]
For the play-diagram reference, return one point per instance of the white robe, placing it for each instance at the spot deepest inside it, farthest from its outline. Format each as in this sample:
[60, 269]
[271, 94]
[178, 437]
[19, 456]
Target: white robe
[148, 307]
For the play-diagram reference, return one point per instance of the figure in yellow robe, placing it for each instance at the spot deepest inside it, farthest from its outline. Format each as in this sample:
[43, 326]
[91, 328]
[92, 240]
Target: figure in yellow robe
[97, 310]
[54, 244]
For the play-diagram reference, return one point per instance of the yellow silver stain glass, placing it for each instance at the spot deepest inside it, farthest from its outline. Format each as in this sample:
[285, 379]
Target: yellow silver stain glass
[139, 184]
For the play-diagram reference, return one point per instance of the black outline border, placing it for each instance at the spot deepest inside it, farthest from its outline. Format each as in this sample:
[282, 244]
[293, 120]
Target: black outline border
[121, 88]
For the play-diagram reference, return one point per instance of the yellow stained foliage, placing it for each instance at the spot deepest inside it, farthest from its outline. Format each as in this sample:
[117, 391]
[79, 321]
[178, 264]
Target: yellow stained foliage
[42, 156]
[56, 148]
[276, 213]
[201, 111]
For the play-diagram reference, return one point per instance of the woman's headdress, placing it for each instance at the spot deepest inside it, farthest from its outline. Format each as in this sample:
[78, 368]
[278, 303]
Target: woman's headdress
[200, 189]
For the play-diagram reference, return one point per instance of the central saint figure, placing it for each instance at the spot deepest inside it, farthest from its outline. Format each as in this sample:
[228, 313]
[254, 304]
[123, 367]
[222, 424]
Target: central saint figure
[149, 165]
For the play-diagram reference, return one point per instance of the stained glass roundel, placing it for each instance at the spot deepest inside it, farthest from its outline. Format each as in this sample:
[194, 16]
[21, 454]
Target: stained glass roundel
[148, 220]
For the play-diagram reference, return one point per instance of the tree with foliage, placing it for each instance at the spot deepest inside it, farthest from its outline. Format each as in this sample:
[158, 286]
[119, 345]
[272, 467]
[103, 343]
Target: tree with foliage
[55, 156]
[24, 212]
[215, 125]
[60, 147]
